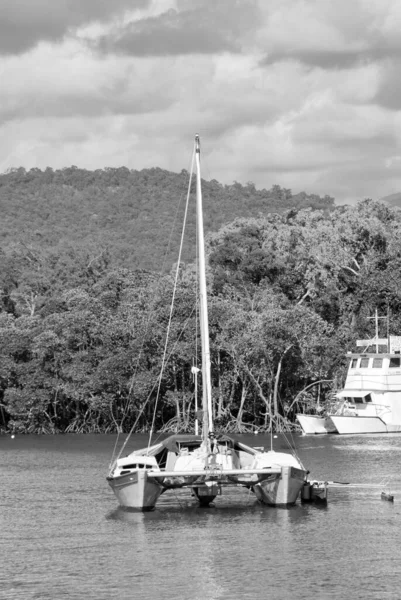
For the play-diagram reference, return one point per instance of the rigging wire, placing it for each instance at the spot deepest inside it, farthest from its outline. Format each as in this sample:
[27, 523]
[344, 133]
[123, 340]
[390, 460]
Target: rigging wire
[177, 271]
[150, 313]
[114, 460]
[292, 445]
[164, 359]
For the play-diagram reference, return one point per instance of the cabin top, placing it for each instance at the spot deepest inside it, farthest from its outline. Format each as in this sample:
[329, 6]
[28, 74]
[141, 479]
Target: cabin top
[369, 361]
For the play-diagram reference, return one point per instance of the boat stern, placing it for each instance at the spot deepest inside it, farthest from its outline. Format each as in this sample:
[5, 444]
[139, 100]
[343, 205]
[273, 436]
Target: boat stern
[284, 489]
[135, 490]
[131, 484]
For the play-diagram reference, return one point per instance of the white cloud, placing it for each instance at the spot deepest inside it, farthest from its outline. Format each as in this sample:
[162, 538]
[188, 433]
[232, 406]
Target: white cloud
[303, 94]
[24, 23]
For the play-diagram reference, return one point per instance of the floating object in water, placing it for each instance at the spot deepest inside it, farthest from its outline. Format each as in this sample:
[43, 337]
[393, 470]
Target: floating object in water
[387, 496]
[319, 492]
[305, 492]
[13, 436]
[314, 491]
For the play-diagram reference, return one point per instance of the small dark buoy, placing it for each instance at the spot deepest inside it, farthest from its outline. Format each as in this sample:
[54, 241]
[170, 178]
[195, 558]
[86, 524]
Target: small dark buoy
[387, 496]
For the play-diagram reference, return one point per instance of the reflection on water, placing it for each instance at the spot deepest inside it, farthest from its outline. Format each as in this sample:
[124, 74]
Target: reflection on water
[59, 517]
[210, 553]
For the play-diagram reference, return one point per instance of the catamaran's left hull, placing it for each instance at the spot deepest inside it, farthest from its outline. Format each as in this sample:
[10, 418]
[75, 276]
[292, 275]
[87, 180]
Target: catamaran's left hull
[136, 490]
[283, 489]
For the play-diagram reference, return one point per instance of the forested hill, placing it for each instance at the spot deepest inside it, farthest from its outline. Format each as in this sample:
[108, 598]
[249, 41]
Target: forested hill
[128, 218]
[81, 341]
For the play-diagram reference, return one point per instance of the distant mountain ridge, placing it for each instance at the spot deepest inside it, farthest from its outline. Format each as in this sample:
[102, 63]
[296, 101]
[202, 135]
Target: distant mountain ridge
[393, 199]
[131, 214]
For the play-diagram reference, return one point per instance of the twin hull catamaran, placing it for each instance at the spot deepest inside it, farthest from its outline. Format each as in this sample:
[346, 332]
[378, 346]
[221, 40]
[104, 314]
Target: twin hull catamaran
[207, 466]
[371, 399]
[206, 463]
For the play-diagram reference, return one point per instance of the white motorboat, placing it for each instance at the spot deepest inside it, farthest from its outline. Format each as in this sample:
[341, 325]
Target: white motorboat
[370, 401]
[205, 463]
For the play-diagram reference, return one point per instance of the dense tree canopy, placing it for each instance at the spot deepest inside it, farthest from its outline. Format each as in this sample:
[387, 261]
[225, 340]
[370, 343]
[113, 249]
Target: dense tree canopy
[83, 325]
[126, 218]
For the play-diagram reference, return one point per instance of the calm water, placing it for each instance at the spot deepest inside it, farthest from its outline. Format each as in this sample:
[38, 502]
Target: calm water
[62, 535]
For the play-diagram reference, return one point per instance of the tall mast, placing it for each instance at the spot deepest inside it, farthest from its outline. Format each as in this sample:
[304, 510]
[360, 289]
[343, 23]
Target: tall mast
[204, 323]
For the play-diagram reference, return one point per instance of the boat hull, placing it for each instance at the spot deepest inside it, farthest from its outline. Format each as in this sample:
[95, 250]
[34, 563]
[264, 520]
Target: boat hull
[282, 490]
[137, 479]
[136, 490]
[274, 487]
[313, 424]
[346, 424]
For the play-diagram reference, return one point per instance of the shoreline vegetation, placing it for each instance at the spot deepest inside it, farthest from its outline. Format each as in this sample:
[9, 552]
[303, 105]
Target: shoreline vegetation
[86, 279]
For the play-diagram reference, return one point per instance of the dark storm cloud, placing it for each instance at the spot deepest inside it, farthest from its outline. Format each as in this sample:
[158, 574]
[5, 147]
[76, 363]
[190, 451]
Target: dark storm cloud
[336, 60]
[24, 23]
[89, 107]
[389, 90]
[105, 100]
[325, 59]
[213, 27]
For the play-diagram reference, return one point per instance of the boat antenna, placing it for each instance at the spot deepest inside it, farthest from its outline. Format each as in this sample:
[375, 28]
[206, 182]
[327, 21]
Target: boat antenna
[388, 329]
[376, 318]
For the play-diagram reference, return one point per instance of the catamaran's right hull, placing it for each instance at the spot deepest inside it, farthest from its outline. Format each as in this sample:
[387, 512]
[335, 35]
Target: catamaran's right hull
[136, 490]
[313, 424]
[282, 490]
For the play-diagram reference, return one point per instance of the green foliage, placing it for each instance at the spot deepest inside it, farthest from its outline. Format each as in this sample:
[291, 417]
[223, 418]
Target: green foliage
[83, 315]
[78, 220]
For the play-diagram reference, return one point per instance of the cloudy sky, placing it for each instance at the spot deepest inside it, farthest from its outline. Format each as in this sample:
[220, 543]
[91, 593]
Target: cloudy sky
[301, 93]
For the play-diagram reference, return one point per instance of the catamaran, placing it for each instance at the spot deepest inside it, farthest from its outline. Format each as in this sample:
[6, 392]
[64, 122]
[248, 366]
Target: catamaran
[205, 463]
[370, 401]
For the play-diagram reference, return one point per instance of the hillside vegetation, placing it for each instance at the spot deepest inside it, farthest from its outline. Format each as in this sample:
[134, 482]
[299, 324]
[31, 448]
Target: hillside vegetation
[84, 309]
[132, 218]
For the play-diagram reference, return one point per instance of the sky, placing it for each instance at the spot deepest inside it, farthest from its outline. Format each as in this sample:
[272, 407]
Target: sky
[305, 94]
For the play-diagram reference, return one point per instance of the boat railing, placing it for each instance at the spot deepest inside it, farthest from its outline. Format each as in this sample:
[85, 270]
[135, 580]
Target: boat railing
[382, 409]
[346, 408]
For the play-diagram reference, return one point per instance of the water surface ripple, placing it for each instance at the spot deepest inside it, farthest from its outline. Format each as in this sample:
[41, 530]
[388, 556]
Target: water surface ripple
[63, 535]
